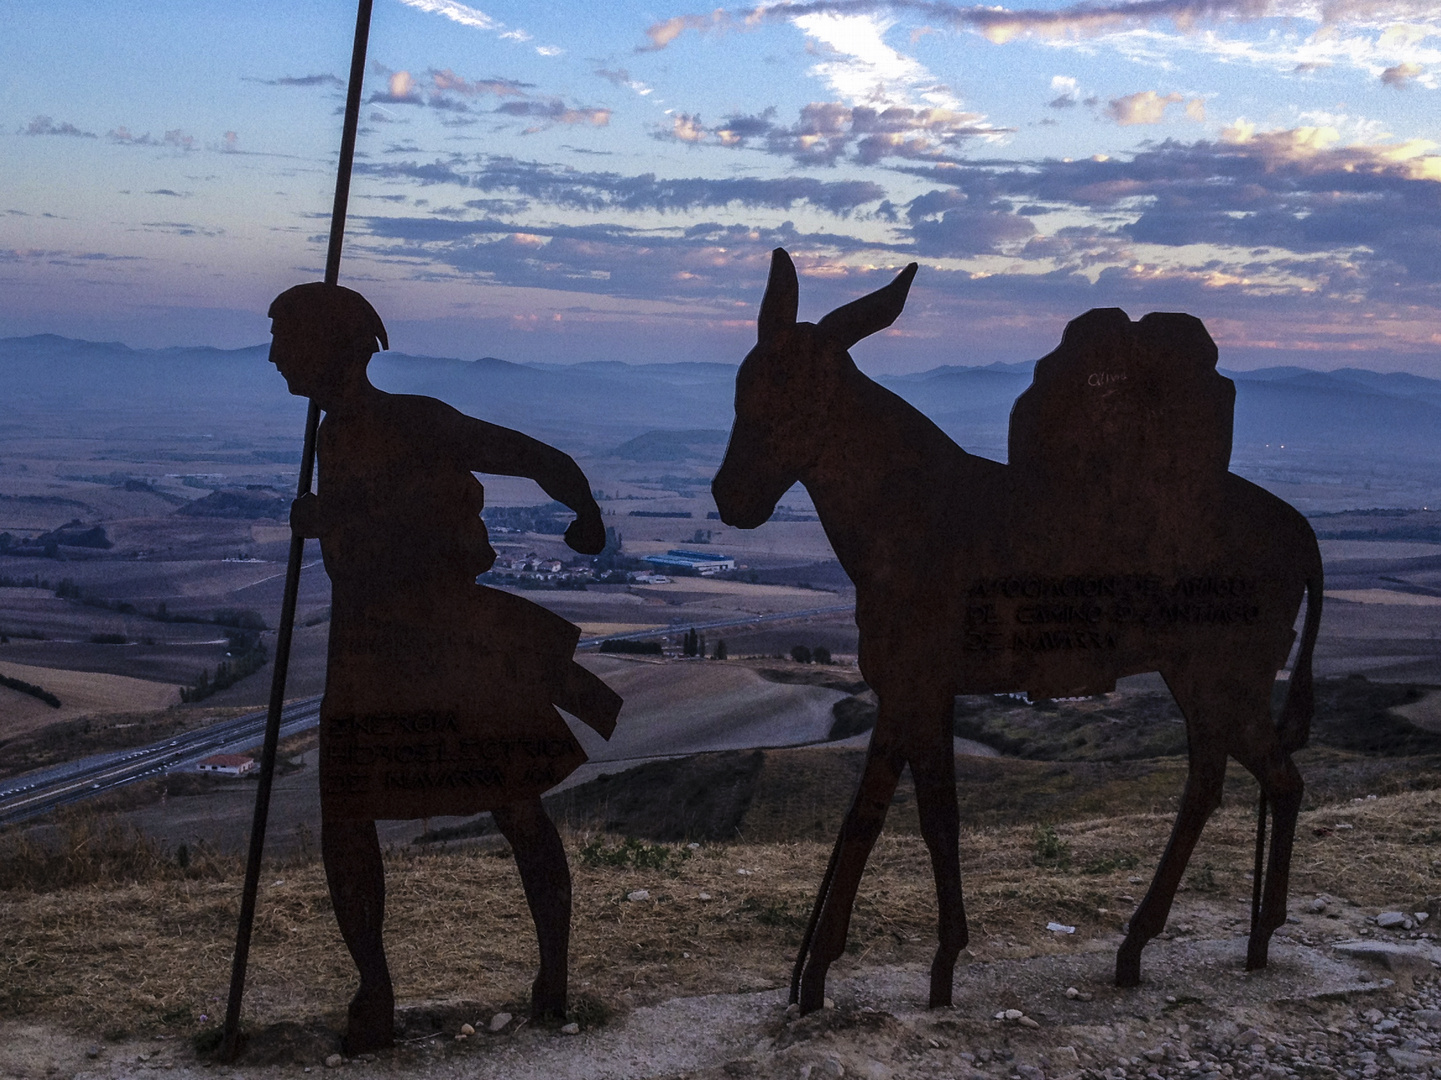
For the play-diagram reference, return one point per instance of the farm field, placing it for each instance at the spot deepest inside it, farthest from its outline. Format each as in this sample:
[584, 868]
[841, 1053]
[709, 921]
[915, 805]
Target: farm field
[82, 693]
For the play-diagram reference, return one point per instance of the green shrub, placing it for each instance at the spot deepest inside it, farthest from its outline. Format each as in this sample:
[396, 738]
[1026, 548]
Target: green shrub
[1049, 849]
[631, 852]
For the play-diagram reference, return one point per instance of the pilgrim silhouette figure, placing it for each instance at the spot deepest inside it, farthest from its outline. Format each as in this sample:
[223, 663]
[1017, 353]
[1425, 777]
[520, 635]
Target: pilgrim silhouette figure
[440, 694]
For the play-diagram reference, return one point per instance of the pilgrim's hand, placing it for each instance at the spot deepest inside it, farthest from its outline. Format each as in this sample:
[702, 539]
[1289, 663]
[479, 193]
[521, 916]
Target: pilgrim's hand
[587, 533]
[305, 516]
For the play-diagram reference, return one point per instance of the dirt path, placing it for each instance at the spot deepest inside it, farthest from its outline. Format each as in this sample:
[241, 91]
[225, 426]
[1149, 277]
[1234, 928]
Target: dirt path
[1316, 1011]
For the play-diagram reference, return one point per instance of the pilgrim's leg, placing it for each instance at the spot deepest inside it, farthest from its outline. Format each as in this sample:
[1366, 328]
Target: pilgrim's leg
[356, 876]
[545, 875]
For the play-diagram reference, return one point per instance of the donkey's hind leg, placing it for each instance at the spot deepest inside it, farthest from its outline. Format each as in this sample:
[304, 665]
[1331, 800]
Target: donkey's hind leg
[1201, 797]
[1256, 745]
[867, 813]
[933, 766]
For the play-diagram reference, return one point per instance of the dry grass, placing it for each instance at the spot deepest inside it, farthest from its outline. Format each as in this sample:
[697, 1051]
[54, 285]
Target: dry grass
[152, 942]
[84, 850]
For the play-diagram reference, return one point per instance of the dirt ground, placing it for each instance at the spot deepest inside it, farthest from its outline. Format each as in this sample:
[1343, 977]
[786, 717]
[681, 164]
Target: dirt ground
[1200, 1015]
[680, 958]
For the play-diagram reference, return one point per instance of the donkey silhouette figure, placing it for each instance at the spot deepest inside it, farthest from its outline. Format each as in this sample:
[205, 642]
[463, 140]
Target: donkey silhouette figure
[977, 577]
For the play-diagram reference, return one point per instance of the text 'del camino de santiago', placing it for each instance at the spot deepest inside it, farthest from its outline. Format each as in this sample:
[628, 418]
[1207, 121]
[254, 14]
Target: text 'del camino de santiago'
[1039, 614]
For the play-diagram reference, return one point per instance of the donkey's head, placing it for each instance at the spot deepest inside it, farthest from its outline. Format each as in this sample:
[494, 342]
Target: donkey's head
[786, 387]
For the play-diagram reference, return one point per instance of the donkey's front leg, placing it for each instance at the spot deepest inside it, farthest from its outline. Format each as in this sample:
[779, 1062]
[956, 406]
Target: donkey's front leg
[933, 765]
[862, 825]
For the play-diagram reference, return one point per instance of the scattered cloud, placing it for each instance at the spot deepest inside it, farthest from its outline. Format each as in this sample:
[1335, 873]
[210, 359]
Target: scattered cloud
[167, 191]
[44, 125]
[1332, 218]
[447, 81]
[400, 89]
[63, 258]
[860, 67]
[714, 269]
[574, 189]
[1149, 107]
[890, 105]
[301, 80]
[1401, 74]
[621, 77]
[1067, 91]
[180, 228]
[556, 111]
[446, 92]
[175, 138]
[466, 16]
[476, 19]
[663, 33]
[1078, 20]
[828, 132]
[950, 223]
[687, 128]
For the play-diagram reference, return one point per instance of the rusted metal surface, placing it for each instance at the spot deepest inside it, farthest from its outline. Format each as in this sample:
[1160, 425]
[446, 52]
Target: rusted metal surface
[1116, 542]
[441, 694]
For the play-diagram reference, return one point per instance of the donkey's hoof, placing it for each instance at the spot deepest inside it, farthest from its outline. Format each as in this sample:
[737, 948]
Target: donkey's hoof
[1257, 953]
[941, 981]
[1128, 968]
[813, 991]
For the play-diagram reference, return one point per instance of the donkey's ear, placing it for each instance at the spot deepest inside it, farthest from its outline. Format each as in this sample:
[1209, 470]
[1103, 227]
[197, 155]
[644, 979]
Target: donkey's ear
[783, 291]
[862, 318]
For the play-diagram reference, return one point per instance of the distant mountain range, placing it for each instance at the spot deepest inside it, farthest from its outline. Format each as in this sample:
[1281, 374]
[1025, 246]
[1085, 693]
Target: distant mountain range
[656, 412]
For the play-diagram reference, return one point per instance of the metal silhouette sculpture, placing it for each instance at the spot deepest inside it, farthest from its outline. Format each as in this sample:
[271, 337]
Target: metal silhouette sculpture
[440, 693]
[1115, 543]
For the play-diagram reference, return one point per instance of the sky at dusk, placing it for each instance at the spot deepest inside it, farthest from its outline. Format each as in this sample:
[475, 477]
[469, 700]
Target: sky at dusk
[579, 181]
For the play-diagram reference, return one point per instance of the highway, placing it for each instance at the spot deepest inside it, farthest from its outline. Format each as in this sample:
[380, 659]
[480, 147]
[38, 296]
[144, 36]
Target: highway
[33, 794]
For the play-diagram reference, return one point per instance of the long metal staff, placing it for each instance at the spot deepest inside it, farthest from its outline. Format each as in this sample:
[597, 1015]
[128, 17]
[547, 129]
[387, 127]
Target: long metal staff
[231, 1045]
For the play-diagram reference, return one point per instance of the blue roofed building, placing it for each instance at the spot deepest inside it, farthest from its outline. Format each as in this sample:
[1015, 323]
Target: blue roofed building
[702, 562]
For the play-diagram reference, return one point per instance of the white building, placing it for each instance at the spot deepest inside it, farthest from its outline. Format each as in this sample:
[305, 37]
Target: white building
[227, 764]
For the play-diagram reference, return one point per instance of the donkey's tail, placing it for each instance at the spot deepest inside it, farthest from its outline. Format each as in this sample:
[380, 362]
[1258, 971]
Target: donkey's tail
[810, 933]
[1294, 727]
